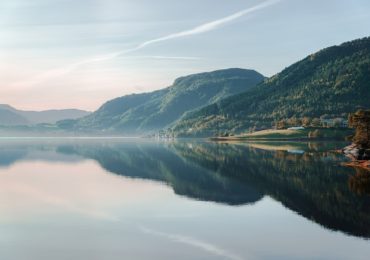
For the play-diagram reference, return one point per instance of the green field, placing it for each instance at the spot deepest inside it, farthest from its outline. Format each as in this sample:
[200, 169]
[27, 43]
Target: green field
[288, 134]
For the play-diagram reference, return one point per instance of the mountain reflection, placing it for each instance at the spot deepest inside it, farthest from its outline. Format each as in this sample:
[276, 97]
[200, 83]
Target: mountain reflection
[164, 163]
[311, 183]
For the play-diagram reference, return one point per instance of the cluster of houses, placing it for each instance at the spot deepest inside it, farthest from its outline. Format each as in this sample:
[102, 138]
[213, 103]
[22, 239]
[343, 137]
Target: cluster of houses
[165, 134]
[334, 122]
[327, 122]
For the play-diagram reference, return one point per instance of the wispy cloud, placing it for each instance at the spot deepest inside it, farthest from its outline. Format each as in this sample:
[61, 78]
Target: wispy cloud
[205, 246]
[210, 26]
[203, 28]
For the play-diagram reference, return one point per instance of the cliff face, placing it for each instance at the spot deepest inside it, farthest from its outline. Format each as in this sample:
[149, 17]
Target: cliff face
[361, 122]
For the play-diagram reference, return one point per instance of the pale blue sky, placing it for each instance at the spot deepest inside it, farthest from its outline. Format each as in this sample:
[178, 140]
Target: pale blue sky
[69, 53]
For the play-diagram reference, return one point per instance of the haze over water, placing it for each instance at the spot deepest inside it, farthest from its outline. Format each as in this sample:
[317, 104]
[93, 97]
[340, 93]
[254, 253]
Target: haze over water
[122, 199]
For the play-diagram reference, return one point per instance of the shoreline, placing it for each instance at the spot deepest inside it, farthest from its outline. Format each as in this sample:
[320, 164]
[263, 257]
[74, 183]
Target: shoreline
[303, 139]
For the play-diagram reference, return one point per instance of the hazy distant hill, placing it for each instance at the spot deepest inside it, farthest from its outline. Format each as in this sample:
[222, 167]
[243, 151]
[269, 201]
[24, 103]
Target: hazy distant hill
[139, 113]
[332, 82]
[11, 116]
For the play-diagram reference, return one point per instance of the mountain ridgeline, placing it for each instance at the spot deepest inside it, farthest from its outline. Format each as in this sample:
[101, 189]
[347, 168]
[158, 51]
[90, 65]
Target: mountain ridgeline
[333, 82]
[10, 116]
[143, 113]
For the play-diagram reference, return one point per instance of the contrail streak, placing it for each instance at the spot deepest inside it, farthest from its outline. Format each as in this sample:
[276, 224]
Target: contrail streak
[203, 28]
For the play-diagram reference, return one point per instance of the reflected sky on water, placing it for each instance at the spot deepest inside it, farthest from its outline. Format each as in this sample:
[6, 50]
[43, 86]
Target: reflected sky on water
[130, 199]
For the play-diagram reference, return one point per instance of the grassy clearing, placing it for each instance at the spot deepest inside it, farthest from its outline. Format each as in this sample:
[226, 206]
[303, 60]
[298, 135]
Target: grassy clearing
[289, 134]
[272, 133]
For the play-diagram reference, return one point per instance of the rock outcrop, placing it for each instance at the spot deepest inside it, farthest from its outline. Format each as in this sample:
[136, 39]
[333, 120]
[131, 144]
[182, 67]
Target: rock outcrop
[360, 148]
[361, 122]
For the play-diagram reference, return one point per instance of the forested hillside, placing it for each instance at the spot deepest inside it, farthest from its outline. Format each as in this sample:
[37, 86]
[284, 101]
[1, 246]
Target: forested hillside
[332, 82]
[142, 113]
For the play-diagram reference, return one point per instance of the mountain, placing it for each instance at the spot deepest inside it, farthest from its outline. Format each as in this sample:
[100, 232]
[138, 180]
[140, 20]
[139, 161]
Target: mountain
[10, 116]
[140, 113]
[52, 116]
[332, 82]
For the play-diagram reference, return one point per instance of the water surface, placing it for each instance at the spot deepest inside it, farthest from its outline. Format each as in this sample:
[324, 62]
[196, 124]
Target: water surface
[131, 199]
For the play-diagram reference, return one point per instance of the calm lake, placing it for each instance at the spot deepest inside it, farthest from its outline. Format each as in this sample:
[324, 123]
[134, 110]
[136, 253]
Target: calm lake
[140, 199]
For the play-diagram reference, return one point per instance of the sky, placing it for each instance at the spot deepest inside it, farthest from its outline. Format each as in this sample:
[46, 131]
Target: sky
[79, 54]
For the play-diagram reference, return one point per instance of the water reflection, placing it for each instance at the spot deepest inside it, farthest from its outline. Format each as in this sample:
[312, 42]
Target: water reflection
[310, 182]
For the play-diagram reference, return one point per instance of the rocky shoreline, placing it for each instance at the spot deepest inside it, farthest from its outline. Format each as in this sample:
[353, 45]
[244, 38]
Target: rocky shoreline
[355, 152]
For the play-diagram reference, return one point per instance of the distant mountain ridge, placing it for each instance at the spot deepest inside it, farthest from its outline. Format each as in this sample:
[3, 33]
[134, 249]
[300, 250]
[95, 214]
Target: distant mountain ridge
[333, 82]
[10, 116]
[140, 113]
